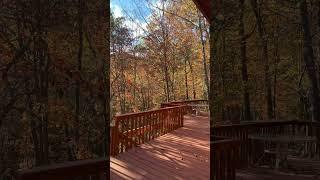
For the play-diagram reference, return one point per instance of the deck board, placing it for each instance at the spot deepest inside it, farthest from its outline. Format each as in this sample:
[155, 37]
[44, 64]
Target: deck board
[180, 154]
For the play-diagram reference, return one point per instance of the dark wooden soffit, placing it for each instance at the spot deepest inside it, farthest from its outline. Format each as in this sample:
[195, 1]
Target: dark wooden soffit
[204, 7]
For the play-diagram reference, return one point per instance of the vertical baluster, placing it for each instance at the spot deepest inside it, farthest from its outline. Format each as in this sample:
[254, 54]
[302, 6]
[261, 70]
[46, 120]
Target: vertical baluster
[152, 125]
[135, 131]
[143, 119]
[160, 122]
[175, 118]
[164, 121]
[115, 137]
[167, 121]
[147, 121]
[218, 166]
[139, 129]
[163, 115]
[228, 164]
[213, 167]
[180, 116]
[126, 133]
[157, 124]
[154, 118]
[149, 126]
[146, 127]
[121, 139]
[179, 112]
[171, 117]
[223, 163]
[170, 120]
[130, 131]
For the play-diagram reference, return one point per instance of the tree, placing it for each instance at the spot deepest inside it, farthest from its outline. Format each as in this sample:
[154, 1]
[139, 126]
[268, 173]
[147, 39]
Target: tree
[309, 59]
[243, 57]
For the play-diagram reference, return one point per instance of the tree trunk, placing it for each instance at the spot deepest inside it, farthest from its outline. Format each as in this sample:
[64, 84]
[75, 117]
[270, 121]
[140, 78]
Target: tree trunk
[41, 80]
[243, 57]
[276, 61]
[186, 78]
[134, 82]
[193, 80]
[309, 60]
[166, 66]
[216, 24]
[264, 57]
[79, 64]
[204, 61]
[172, 83]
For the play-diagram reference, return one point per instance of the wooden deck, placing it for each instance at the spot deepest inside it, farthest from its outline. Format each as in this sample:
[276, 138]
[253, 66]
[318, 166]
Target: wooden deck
[180, 154]
[184, 152]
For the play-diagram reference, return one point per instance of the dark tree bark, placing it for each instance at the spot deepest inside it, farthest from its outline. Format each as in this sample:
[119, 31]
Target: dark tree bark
[41, 73]
[243, 57]
[134, 81]
[193, 80]
[264, 57]
[186, 79]
[216, 25]
[275, 78]
[172, 83]
[309, 60]
[204, 60]
[164, 53]
[79, 67]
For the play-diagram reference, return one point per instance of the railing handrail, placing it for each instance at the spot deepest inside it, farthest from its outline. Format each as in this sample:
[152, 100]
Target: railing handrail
[182, 102]
[267, 123]
[148, 111]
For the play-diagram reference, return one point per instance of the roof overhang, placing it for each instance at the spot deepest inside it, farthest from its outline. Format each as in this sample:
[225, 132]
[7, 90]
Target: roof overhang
[204, 7]
[209, 8]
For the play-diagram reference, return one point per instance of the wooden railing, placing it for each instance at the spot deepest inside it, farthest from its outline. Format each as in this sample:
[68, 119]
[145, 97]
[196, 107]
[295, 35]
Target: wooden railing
[241, 131]
[83, 169]
[225, 158]
[133, 129]
[186, 102]
[130, 130]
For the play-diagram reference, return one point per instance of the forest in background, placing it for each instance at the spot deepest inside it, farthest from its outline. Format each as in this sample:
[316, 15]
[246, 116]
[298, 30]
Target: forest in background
[259, 65]
[168, 61]
[54, 82]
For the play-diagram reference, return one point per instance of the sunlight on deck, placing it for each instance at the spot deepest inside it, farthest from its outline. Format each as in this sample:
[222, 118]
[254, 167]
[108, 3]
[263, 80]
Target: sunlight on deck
[181, 154]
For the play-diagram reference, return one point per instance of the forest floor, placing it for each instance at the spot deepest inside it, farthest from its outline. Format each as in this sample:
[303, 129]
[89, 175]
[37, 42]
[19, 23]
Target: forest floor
[181, 154]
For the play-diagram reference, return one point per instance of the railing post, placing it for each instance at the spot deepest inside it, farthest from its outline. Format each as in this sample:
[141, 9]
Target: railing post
[115, 138]
[182, 113]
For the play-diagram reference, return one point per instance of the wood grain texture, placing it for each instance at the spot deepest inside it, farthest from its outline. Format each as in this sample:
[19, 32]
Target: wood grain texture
[181, 154]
